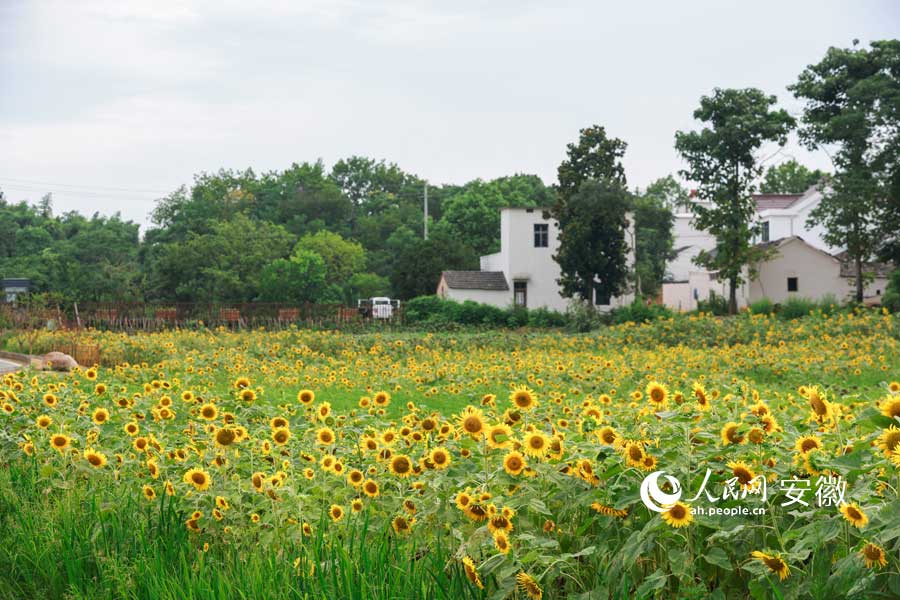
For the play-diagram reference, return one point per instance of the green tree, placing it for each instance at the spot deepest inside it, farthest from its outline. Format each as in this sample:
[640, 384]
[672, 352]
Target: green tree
[790, 177]
[653, 223]
[853, 104]
[473, 214]
[343, 258]
[594, 157]
[224, 264]
[418, 263]
[299, 279]
[592, 240]
[721, 159]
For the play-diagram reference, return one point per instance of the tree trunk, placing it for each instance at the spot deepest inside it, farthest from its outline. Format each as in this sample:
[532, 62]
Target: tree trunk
[859, 279]
[732, 296]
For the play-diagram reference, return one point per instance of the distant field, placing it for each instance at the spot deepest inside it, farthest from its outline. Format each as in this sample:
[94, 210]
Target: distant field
[300, 464]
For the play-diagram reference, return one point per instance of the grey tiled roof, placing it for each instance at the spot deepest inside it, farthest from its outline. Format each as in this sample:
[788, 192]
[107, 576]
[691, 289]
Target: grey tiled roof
[476, 280]
[848, 267]
[778, 201]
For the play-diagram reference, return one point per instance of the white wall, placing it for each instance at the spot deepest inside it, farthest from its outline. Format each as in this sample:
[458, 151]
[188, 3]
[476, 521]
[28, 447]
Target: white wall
[817, 274]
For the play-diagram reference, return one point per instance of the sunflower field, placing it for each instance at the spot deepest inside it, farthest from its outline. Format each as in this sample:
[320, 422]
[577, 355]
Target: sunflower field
[315, 464]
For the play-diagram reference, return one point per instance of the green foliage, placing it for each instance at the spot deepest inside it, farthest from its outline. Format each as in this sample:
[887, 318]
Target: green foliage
[851, 98]
[224, 264]
[417, 263]
[592, 244]
[473, 214]
[595, 157]
[796, 307]
[343, 258]
[432, 310]
[891, 299]
[714, 305]
[790, 177]
[639, 311]
[764, 306]
[302, 278]
[722, 160]
[653, 223]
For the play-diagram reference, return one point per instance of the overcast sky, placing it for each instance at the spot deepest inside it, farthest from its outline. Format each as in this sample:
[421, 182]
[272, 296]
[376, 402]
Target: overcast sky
[110, 104]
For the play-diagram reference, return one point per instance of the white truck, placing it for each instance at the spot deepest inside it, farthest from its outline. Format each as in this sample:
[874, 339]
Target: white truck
[379, 307]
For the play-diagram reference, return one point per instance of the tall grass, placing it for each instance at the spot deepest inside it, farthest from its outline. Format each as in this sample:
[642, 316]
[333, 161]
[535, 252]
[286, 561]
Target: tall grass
[87, 542]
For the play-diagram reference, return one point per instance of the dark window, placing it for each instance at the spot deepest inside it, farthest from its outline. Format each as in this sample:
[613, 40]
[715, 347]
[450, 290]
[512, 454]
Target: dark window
[792, 284]
[765, 231]
[601, 298]
[520, 293]
[541, 235]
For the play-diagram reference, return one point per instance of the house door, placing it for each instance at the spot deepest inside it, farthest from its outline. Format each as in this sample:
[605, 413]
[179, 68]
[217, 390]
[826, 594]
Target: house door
[520, 293]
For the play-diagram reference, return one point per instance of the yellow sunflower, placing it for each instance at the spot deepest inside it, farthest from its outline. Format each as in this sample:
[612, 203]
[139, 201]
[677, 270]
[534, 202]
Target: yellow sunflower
[854, 515]
[523, 398]
[678, 515]
[774, 562]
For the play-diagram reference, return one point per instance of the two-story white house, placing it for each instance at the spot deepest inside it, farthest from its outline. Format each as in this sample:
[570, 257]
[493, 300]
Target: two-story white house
[523, 273]
[801, 263]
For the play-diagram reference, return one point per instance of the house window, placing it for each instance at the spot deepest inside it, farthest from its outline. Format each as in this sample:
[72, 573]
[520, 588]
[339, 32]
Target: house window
[520, 293]
[541, 235]
[601, 298]
[792, 284]
[765, 231]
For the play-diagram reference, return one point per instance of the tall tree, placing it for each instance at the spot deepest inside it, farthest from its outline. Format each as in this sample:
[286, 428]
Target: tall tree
[593, 248]
[653, 224]
[596, 156]
[853, 103]
[790, 177]
[721, 160]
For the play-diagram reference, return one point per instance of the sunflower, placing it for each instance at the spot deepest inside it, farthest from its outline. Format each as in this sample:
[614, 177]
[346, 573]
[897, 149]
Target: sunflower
[609, 511]
[854, 515]
[529, 586]
[370, 488]
[819, 405]
[889, 440]
[775, 563]
[209, 411]
[325, 436]
[657, 394]
[891, 407]
[472, 572]
[91, 374]
[463, 500]
[440, 458]
[678, 515]
[131, 428]
[355, 477]
[100, 416]
[306, 397]
[523, 398]
[607, 435]
[808, 443]
[149, 492]
[60, 442]
[471, 421]
[874, 555]
[513, 463]
[634, 454]
[247, 395]
[336, 512]
[43, 421]
[225, 437]
[894, 387]
[499, 436]
[731, 434]
[381, 399]
[94, 458]
[401, 465]
[402, 525]
[700, 395]
[198, 478]
[356, 505]
[241, 383]
[743, 473]
[281, 436]
[323, 411]
[51, 400]
[536, 444]
[501, 542]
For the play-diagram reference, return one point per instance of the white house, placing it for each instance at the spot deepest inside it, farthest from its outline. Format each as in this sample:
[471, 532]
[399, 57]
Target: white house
[523, 272]
[802, 264]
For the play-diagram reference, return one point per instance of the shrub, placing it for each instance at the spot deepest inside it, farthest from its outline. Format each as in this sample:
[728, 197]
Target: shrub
[795, 308]
[542, 317]
[581, 317]
[716, 305]
[640, 312]
[891, 298]
[763, 306]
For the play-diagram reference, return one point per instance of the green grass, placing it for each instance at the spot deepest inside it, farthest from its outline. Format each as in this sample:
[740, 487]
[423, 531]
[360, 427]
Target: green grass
[85, 542]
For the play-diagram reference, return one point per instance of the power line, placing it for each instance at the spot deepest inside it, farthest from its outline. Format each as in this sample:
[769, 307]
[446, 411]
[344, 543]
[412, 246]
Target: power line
[76, 193]
[88, 187]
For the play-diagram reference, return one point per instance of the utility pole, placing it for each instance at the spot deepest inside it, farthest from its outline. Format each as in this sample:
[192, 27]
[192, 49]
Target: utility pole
[426, 210]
